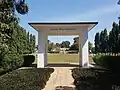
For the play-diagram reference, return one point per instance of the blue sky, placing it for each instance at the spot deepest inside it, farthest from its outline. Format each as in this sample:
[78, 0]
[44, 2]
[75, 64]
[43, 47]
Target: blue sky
[103, 11]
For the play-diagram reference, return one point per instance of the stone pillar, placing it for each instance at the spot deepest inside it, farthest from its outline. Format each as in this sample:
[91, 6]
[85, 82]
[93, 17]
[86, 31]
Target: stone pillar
[83, 48]
[42, 55]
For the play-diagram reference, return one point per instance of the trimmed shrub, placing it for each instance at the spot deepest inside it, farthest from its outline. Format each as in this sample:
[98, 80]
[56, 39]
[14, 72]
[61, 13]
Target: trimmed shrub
[12, 61]
[3, 71]
[110, 62]
[25, 79]
[95, 79]
[28, 60]
[99, 59]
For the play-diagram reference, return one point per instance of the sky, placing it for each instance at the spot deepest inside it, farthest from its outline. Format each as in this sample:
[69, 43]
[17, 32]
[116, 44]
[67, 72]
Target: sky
[105, 12]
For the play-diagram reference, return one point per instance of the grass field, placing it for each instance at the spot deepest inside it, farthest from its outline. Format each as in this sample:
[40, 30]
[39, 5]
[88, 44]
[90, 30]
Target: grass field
[64, 58]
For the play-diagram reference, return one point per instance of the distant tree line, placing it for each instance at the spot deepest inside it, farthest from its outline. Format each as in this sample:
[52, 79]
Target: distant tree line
[66, 44]
[75, 45]
[108, 42]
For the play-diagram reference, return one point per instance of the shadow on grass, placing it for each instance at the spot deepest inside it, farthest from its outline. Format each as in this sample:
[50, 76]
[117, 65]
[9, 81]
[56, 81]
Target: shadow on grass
[64, 88]
[55, 65]
[61, 65]
[95, 79]
[32, 65]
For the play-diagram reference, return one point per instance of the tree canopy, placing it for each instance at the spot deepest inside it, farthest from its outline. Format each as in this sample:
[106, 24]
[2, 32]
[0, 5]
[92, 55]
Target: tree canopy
[65, 44]
[108, 43]
[9, 22]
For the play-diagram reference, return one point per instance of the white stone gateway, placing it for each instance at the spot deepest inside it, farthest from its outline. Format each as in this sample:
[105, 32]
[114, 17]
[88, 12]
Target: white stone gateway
[63, 28]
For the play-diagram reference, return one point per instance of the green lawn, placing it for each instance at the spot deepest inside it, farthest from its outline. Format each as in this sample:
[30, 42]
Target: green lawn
[64, 58]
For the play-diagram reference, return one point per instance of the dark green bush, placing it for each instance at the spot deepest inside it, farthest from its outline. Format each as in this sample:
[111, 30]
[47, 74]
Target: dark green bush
[11, 62]
[28, 60]
[3, 71]
[110, 62]
[95, 79]
[99, 59]
[25, 79]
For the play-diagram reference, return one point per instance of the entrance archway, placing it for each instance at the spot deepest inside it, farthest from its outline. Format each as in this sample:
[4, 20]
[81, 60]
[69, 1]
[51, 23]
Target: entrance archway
[63, 51]
[67, 28]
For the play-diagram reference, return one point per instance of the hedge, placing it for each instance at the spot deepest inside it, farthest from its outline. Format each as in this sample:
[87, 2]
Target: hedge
[110, 62]
[12, 61]
[25, 79]
[95, 79]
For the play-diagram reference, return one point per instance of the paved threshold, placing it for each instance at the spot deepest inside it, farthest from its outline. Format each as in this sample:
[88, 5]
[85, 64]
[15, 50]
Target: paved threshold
[61, 79]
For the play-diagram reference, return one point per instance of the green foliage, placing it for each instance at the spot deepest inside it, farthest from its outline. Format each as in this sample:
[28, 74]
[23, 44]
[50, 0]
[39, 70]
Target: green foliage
[8, 21]
[51, 46]
[25, 79]
[115, 33]
[11, 5]
[103, 41]
[108, 43]
[99, 59]
[17, 47]
[74, 47]
[76, 40]
[12, 39]
[7, 24]
[21, 7]
[32, 43]
[65, 44]
[57, 45]
[95, 79]
[110, 62]
[11, 62]
[90, 46]
[19, 43]
[28, 60]
[97, 43]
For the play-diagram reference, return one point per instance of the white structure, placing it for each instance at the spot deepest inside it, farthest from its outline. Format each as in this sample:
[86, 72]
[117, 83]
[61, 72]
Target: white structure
[63, 28]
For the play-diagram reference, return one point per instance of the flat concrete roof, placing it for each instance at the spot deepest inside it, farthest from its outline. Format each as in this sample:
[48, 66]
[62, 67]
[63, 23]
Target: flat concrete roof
[60, 23]
[38, 25]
